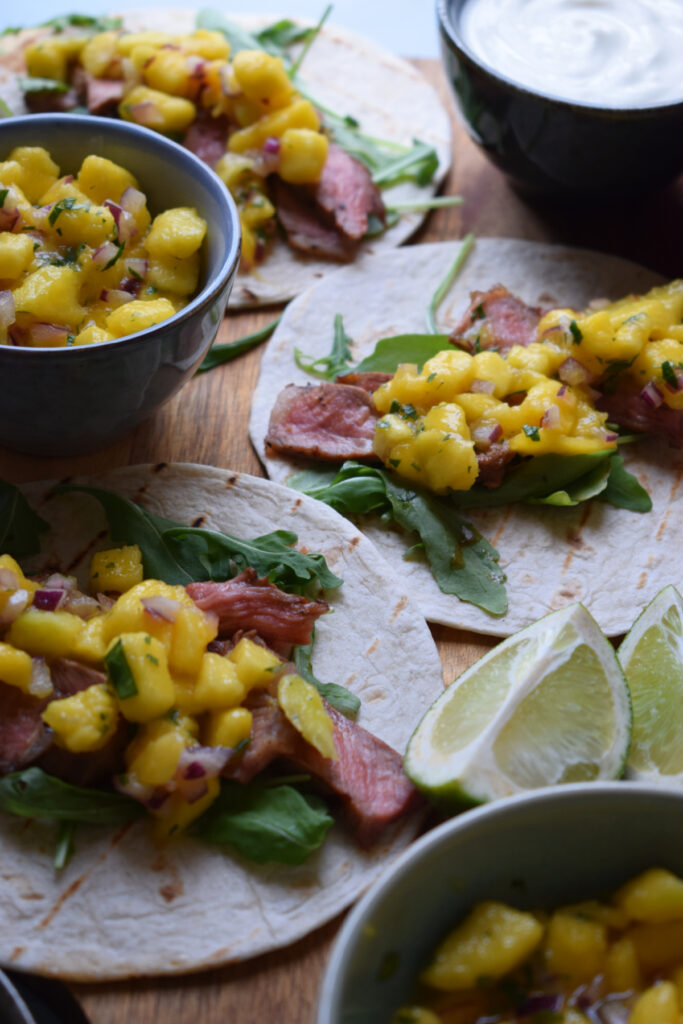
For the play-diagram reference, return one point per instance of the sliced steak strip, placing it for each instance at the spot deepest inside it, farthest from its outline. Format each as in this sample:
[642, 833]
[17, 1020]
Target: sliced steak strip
[369, 381]
[323, 421]
[206, 137]
[50, 102]
[492, 464]
[23, 734]
[102, 95]
[496, 319]
[305, 227]
[346, 192]
[634, 413]
[368, 777]
[91, 767]
[247, 602]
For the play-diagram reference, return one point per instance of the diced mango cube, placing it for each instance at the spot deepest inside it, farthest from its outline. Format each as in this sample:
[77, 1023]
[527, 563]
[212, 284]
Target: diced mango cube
[303, 706]
[157, 110]
[138, 315]
[493, 940]
[657, 1005]
[84, 721]
[90, 645]
[101, 179]
[193, 629]
[116, 569]
[298, 114]
[228, 728]
[216, 688]
[137, 667]
[51, 294]
[256, 665]
[180, 277]
[302, 155]
[16, 667]
[263, 79]
[45, 634]
[575, 946]
[655, 896]
[622, 970]
[658, 946]
[153, 755]
[16, 254]
[177, 813]
[176, 233]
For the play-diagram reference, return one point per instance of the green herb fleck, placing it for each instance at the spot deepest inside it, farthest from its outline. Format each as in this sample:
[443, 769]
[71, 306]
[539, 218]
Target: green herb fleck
[531, 432]
[669, 375]
[119, 672]
[577, 336]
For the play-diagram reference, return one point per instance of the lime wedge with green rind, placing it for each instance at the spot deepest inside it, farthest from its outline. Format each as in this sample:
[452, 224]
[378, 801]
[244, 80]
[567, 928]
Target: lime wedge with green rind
[549, 705]
[651, 655]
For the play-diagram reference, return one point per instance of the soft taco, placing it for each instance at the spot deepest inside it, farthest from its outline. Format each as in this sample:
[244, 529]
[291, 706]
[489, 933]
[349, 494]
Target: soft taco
[586, 550]
[126, 905]
[337, 188]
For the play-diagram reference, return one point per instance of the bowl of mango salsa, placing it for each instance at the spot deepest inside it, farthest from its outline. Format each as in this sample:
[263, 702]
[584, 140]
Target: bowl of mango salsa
[118, 252]
[562, 906]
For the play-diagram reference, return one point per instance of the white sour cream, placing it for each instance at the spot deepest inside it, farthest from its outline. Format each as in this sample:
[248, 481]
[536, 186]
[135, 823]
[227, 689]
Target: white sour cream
[611, 53]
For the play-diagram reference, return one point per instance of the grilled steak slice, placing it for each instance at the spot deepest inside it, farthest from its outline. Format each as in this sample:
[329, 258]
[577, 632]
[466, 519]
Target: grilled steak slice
[23, 734]
[323, 421]
[496, 319]
[633, 412]
[206, 137]
[346, 192]
[369, 381]
[247, 602]
[368, 777]
[91, 767]
[306, 228]
[492, 464]
[101, 95]
[49, 102]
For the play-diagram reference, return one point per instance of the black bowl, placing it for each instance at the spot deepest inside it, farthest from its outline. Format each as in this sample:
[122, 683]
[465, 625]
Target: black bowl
[549, 145]
[69, 401]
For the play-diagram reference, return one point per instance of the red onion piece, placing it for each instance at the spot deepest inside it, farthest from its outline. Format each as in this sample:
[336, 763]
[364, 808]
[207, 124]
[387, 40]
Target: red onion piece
[8, 580]
[7, 310]
[104, 602]
[193, 790]
[572, 372]
[61, 582]
[562, 391]
[17, 602]
[41, 680]
[551, 418]
[271, 145]
[614, 1013]
[146, 113]
[137, 266]
[9, 212]
[129, 785]
[80, 604]
[651, 395]
[196, 66]
[484, 434]
[611, 437]
[161, 608]
[115, 296]
[538, 1003]
[482, 387]
[48, 600]
[130, 285]
[104, 254]
[48, 335]
[133, 200]
[201, 763]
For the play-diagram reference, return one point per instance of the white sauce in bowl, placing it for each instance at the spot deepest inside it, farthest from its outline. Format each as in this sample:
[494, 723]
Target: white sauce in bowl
[610, 53]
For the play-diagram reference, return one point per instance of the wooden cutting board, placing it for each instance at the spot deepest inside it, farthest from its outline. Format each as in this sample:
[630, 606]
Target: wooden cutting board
[207, 422]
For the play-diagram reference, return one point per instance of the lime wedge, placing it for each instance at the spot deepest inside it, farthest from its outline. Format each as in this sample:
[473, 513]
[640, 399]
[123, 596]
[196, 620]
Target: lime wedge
[651, 655]
[548, 705]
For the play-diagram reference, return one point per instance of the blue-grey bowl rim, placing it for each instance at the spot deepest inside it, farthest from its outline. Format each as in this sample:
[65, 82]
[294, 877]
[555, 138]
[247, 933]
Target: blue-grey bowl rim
[342, 949]
[448, 26]
[195, 167]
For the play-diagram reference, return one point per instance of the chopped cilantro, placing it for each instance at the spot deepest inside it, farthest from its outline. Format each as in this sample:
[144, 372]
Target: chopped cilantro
[431, 377]
[119, 672]
[669, 374]
[395, 463]
[150, 657]
[3, 195]
[112, 261]
[409, 412]
[531, 432]
[577, 336]
[69, 203]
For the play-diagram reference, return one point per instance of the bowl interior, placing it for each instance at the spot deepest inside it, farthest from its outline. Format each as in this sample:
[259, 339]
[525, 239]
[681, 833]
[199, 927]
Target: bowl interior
[537, 851]
[168, 174]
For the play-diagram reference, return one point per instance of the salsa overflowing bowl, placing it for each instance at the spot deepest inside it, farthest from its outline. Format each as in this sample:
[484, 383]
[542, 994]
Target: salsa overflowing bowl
[73, 398]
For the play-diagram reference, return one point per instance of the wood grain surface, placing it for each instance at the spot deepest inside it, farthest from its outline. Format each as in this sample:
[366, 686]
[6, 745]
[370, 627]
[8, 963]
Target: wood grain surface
[207, 423]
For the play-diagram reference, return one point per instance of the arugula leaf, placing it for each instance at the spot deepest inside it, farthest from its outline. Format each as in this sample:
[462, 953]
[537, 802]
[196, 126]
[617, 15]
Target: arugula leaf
[239, 38]
[20, 526]
[338, 696]
[265, 823]
[623, 490]
[389, 353]
[33, 84]
[180, 554]
[461, 560]
[310, 38]
[444, 286]
[282, 34]
[64, 849]
[5, 110]
[32, 793]
[220, 354]
[534, 478]
[420, 164]
[338, 361]
[83, 21]
[586, 487]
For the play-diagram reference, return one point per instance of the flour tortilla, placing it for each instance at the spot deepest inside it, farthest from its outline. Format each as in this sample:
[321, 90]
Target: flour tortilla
[349, 74]
[612, 560]
[125, 907]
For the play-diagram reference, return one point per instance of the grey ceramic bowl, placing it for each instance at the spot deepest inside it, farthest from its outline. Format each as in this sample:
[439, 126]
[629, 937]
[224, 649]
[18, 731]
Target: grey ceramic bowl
[69, 401]
[547, 144]
[541, 849]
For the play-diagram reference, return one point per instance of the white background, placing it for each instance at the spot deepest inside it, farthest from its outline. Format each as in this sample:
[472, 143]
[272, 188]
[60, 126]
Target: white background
[406, 27]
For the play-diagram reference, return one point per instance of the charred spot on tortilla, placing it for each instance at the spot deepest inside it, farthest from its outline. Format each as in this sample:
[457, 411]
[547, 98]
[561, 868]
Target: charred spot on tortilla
[199, 521]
